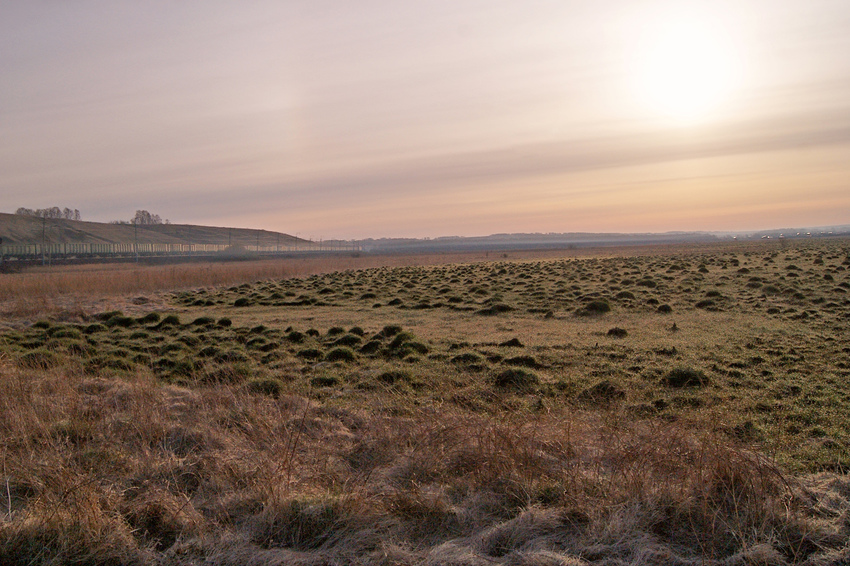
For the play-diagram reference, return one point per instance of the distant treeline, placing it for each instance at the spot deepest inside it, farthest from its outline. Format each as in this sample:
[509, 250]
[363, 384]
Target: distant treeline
[143, 218]
[52, 212]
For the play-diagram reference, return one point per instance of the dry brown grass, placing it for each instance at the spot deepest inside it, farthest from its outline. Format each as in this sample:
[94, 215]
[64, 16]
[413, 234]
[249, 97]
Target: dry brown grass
[131, 472]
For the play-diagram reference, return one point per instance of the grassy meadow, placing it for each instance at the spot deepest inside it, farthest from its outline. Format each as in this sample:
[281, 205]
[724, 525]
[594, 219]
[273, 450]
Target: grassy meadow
[655, 406]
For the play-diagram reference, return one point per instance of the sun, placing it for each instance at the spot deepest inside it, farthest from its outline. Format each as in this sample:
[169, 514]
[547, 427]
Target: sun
[685, 69]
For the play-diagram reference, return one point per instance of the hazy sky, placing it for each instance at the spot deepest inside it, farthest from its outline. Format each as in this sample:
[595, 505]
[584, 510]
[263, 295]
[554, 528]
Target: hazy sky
[340, 119]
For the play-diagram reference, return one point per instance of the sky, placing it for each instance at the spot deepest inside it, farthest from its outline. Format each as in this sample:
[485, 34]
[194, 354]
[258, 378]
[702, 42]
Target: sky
[395, 118]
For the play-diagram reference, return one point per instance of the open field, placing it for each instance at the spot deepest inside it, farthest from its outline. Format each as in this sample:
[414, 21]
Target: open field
[653, 406]
[67, 290]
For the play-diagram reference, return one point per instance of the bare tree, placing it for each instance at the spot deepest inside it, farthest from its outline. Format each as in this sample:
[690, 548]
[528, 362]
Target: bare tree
[52, 212]
[145, 218]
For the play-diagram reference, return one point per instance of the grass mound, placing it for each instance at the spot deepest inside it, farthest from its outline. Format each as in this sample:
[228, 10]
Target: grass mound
[516, 379]
[340, 354]
[685, 377]
[265, 386]
[495, 309]
[594, 308]
[602, 393]
[617, 332]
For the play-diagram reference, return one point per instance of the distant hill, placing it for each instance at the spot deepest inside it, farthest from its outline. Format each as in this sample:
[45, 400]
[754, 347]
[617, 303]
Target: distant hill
[16, 229]
[533, 241]
[584, 240]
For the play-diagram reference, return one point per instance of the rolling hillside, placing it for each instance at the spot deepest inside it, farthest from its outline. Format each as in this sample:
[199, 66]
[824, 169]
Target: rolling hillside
[18, 229]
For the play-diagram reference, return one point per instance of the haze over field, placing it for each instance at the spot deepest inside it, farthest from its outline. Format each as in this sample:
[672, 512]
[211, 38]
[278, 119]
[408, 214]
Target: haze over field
[378, 118]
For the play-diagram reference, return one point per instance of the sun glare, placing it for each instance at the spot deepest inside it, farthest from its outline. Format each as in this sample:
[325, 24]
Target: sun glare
[685, 70]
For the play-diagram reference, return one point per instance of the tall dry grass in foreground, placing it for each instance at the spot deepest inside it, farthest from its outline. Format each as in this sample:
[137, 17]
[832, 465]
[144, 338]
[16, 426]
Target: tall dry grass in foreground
[130, 471]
